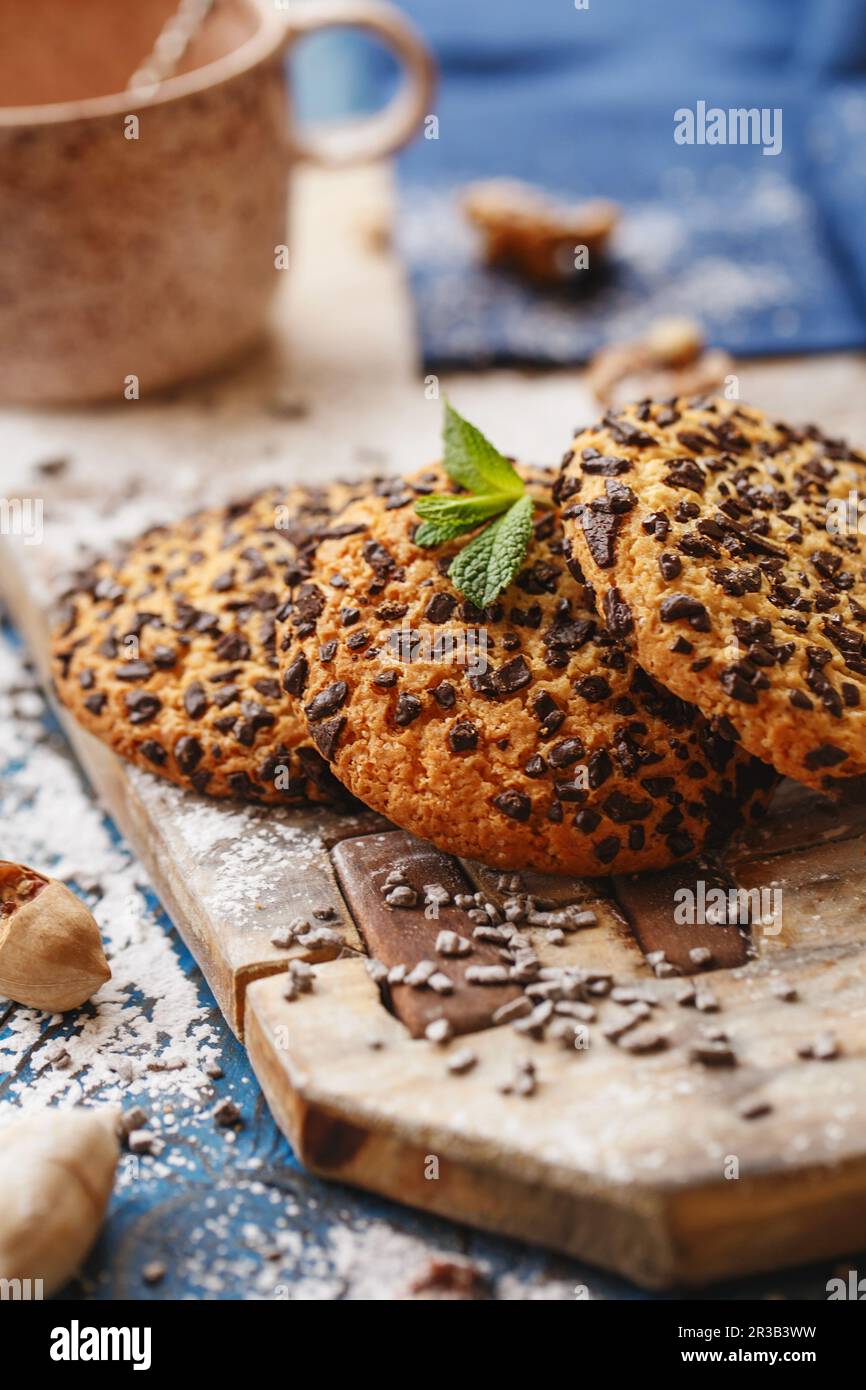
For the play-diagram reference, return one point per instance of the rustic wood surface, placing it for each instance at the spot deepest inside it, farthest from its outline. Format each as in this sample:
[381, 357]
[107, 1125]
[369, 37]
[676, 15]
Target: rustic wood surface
[619, 1158]
[330, 396]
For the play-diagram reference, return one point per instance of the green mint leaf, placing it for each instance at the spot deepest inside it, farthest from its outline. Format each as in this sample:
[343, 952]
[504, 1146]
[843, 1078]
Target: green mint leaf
[432, 533]
[445, 517]
[473, 462]
[487, 565]
[442, 506]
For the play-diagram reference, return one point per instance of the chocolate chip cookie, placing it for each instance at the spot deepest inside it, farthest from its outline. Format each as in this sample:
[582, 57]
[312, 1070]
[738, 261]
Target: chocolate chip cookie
[523, 734]
[169, 656]
[730, 548]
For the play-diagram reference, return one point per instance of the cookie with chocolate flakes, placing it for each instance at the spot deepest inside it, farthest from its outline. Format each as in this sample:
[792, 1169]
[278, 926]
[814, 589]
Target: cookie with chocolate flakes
[520, 735]
[730, 550]
[168, 655]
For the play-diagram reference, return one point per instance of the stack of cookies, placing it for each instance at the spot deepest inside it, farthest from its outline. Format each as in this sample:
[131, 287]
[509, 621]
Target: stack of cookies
[733, 546]
[682, 620]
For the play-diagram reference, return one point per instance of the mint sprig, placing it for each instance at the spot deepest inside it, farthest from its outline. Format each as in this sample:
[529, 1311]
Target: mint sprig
[448, 517]
[486, 566]
[494, 493]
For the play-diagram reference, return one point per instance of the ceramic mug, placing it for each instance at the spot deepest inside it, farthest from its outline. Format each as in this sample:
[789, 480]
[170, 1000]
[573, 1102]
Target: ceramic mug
[139, 228]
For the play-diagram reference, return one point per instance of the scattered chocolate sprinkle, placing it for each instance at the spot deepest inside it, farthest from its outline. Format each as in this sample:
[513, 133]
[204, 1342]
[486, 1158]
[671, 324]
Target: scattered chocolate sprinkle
[592, 688]
[754, 1109]
[686, 473]
[643, 1040]
[462, 1061]
[226, 1113]
[788, 993]
[823, 1048]
[712, 1054]
[624, 432]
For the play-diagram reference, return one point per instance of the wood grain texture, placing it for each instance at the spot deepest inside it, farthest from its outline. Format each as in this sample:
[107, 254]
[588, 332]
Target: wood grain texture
[621, 1160]
[821, 894]
[407, 936]
[649, 902]
[798, 818]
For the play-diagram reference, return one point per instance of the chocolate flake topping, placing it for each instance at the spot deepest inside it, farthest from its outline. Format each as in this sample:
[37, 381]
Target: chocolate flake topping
[676, 606]
[327, 702]
[514, 804]
[326, 736]
[295, 675]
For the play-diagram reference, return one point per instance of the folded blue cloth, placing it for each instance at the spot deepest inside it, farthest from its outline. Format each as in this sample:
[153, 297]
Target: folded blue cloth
[766, 249]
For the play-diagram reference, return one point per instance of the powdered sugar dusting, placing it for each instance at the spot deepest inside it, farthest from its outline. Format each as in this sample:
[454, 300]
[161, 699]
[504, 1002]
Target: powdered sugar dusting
[149, 1004]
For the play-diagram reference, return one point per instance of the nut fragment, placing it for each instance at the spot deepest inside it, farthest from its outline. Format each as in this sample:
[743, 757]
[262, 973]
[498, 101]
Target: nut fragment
[713, 1052]
[56, 1174]
[523, 227]
[439, 1030]
[227, 1113]
[51, 954]
[670, 360]
[673, 342]
[462, 1061]
[448, 1277]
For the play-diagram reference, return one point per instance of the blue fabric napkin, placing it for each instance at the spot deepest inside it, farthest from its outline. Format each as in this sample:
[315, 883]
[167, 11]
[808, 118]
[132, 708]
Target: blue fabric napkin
[766, 250]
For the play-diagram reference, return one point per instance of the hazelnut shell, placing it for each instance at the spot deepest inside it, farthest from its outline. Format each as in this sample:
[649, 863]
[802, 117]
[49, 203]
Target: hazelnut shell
[56, 1174]
[51, 954]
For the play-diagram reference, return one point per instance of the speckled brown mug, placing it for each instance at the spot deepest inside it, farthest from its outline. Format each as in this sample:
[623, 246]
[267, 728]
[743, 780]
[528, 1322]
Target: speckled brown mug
[139, 228]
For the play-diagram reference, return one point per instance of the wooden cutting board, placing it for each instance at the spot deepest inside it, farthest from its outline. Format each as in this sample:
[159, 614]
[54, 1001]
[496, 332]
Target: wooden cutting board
[642, 1162]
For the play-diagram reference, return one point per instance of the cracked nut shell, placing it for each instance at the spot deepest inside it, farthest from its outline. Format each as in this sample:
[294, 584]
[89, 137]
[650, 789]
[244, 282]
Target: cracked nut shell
[51, 954]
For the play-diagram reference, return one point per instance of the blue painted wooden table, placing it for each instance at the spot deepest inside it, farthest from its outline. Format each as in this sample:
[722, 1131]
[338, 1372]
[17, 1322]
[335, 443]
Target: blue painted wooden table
[229, 1214]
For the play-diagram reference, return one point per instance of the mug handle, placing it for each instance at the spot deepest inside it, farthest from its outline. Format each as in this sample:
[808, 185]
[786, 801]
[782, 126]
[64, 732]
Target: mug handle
[388, 130]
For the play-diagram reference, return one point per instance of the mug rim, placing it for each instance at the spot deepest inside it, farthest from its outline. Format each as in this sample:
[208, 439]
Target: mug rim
[272, 31]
